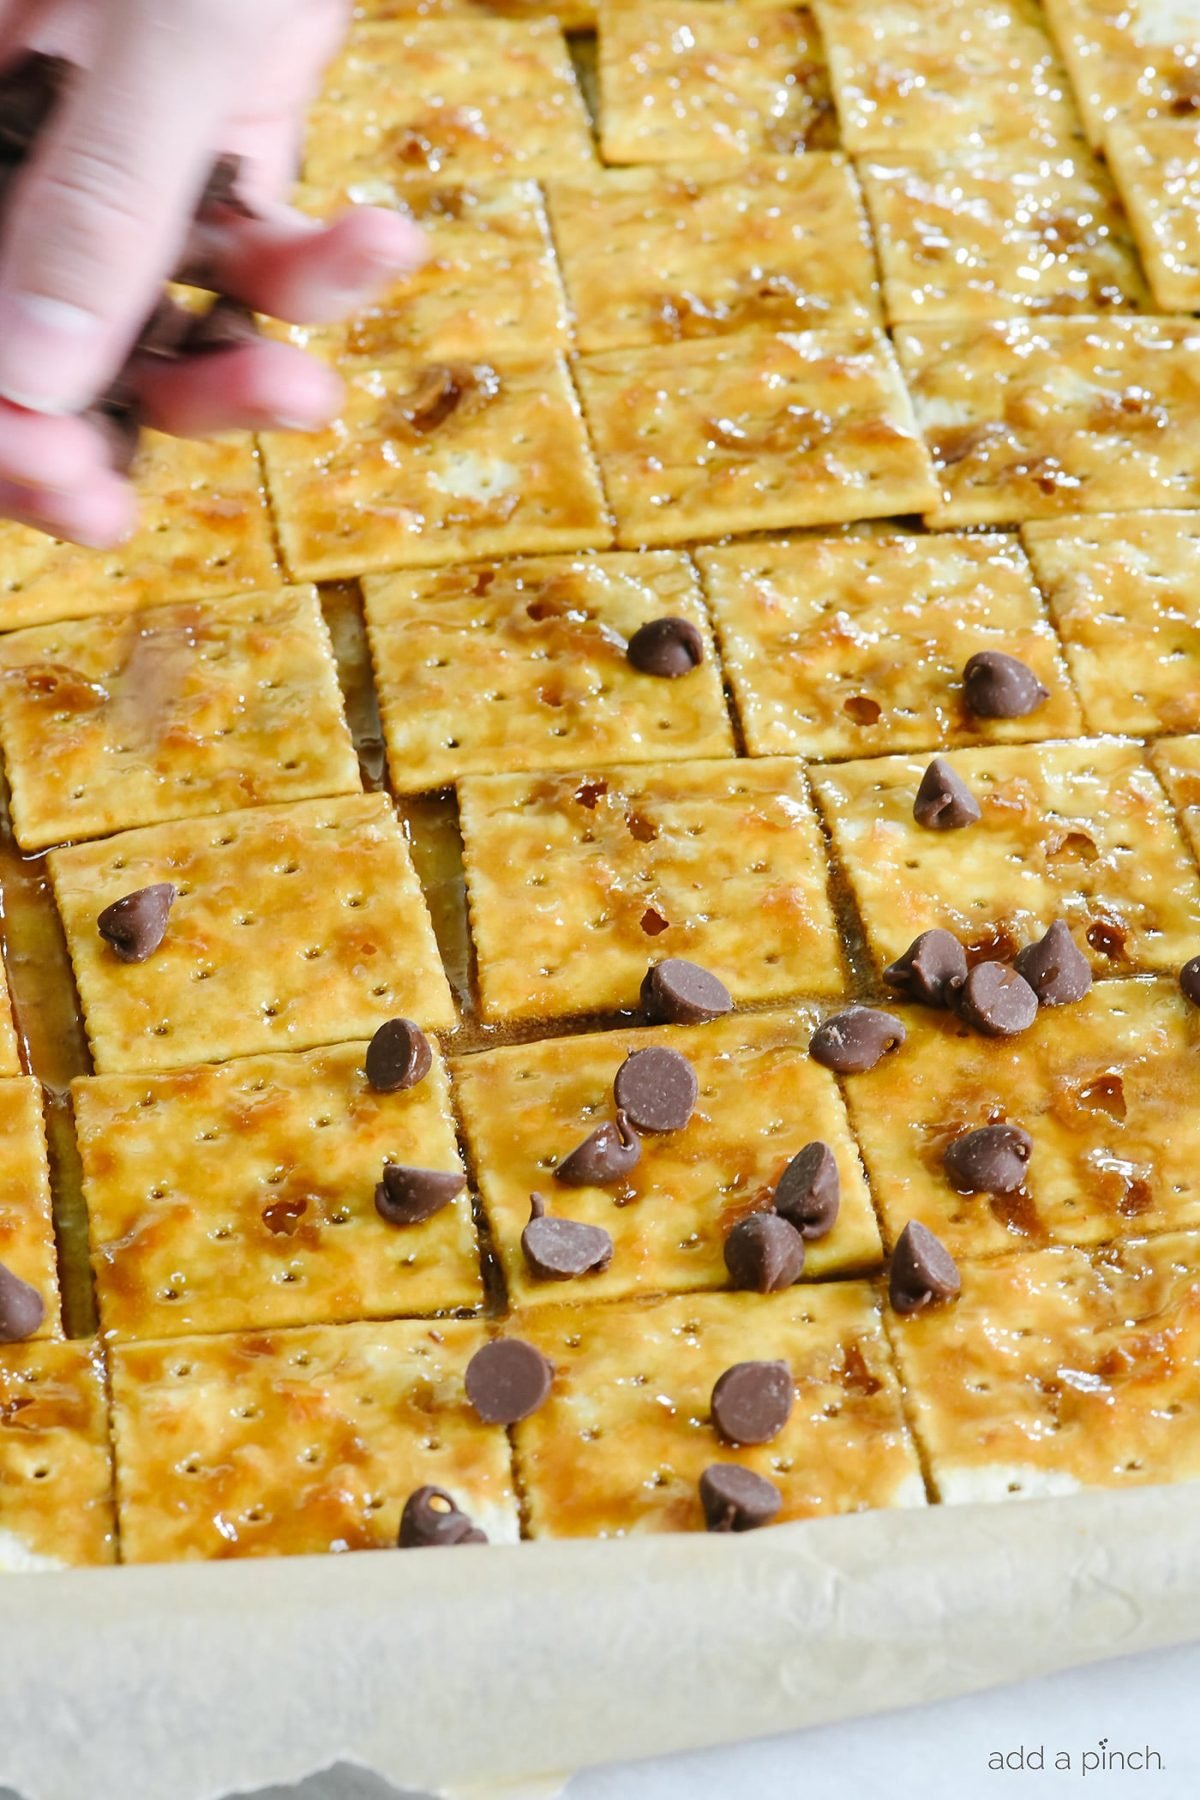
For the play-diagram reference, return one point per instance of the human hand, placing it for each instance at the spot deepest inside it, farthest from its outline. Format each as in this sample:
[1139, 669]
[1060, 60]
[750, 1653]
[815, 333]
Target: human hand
[97, 218]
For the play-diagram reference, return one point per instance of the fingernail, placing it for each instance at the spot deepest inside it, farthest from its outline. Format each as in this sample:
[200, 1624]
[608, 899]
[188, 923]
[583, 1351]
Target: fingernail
[48, 353]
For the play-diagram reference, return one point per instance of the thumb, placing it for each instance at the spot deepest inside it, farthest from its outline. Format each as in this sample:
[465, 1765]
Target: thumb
[99, 215]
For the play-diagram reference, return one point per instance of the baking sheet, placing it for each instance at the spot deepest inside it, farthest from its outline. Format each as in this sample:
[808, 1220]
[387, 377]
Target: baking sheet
[481, 1668]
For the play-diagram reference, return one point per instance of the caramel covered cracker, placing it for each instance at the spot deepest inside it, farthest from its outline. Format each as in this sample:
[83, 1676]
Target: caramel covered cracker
[1106, 1088]
[293, 926]
[685, 80]
[762, 1099]
[203, 530]
[945, 75]
[243, 1196]
[1056, 1371]
[491, 286]
[523, 665]
[1176, 761]
[1028, 420]
[452, 97]
[655, 254]
[435, 463]
[10, 1055]
[1000, 233]
[848, 646]
[753, 431]
[626, 1434]
[289, 1443]
[56, 1508]
[26, 1225]
[1079, 831]
[1129, 58]
[578, 882]
[206, 707]
[1124, 592]
[572, 15]
[1156, 166]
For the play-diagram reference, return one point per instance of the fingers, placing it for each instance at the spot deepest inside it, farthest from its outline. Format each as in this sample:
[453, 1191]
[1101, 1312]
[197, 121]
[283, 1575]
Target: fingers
[261, 387]
[99, 515]
[40, 452]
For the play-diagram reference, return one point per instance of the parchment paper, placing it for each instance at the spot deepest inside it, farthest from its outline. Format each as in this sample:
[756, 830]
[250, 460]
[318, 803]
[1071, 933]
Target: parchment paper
[457, 1668]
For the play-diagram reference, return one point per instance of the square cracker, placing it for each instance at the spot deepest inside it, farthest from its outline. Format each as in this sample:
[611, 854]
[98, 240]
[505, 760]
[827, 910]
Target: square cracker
[851, 646]
[1124, 592]
[242, 1196]
[1056, 1371]
[305, 923]
[578, 882]
[522, 665]
[753, 431]
[572, 15]
[506, 470]
[1079, 831]
[1026, 420]
[685, 80]
[56, 1507]
[1107, 1089]
[625, 1435]
[946, 75]
[1176, 762]
[452, 97]
[1000, 233]
[1156, 166]
[654, 254]
[491, 286]
[1132, 59]
[10, 1055]
[26, 1226]
[204, 530]
[205, 707]
[289, 1443]
[762, 1098]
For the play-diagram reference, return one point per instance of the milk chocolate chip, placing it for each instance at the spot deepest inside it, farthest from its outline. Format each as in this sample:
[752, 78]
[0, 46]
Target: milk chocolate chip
[675, 992]
[752, 1402]
[507, 1380]
[561, 1249]
[410, 1196]
[944, 802]
[136, 925]
[29, 92]
[998, 686]
[399, 1057]
[604, 1155]
[764, 1254]
[22, 1308]
[932, 969]
[992, 1160]
[997, 1001]
[667, 648]
[1189, 980]
[923, 1272]
[736, 1499]
[807, 1194]
[431, 1518]
[1055, 967]
[657, 1089]
[226, 326]
[853, 1041]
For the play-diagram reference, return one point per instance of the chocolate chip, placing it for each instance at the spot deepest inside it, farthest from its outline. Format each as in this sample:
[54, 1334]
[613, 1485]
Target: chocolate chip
[117, 416]
[1189, 980]
[657, 1088]
[507, 1380]
[164, 331]
[752, 1402]
[997, 686]
[136, 925]
[808, 1191]
[29, 91]
[676, 992]
[764, 1254]
[853, 1041]
[923, 1271]
[666, 647]
[410, 1196]
[736, 1499]
[431, 1518]
[1055, 967]
[992, 1160]
[943, 801]
[997, 1001]
[22, 1308]
[604, 1155]
[440, 390]
[561, 1249]
[932, 969]
[399, 1057]
[226, 326]
[222, 191]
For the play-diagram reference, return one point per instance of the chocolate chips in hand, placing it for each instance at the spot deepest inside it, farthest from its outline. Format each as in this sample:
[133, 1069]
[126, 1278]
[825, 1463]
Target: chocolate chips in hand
[22, 1308]
[668, 648]
[943, 800]
[675, 992]
[1055, 967]
[507, 1380]
[998, 686]
[657, 1089]
[604, 1155]
[29, 92]
[808, 1192]
[136, 925]
[1189, 980]
[226, 326]
[764, 1254]
[410, 1196]
[752, 1402]
[923, 1273]
[562, 1249]
[853, 1041]
[399, 1057]
[431, 1519]
[997, 1001]
[992, 1160]
[736, 1499]
[932, 969]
